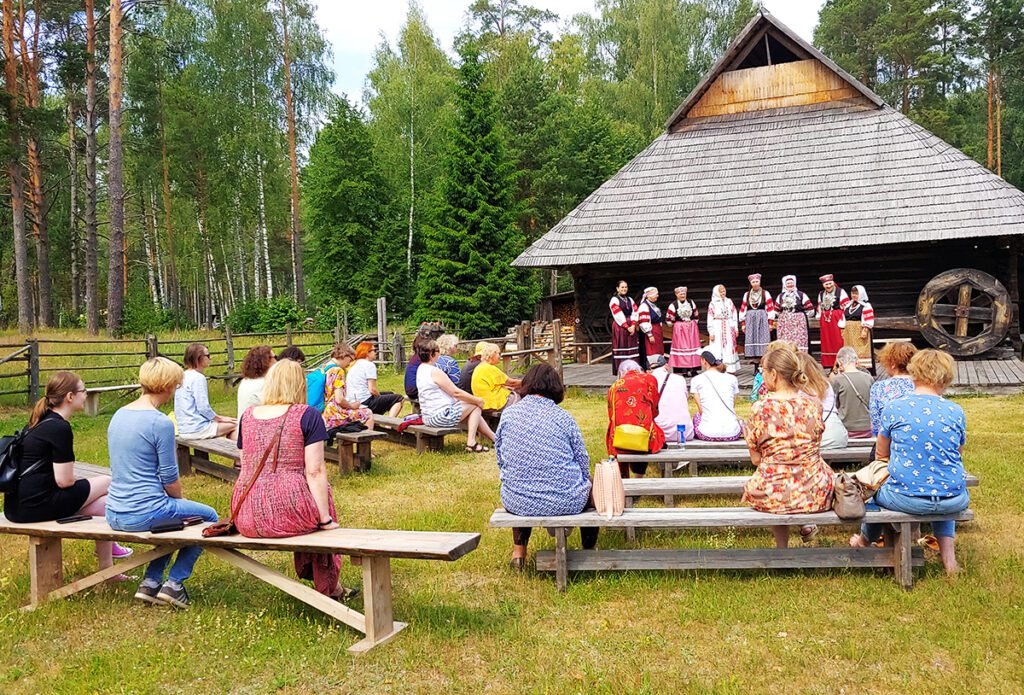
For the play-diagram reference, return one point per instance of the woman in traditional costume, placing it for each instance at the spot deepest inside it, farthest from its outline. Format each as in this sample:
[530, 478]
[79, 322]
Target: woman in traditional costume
[625, 341]
[682, 315]
[860, 320]
[757, 313]
[793, 308]
[723, 327]
[652, 341]
[832, 302]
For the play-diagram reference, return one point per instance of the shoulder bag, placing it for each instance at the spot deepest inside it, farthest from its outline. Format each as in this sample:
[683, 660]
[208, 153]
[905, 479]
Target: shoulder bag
[227, 528]
[855, 391]
[607, 491]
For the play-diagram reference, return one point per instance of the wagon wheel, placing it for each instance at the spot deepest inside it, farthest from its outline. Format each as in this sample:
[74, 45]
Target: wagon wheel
[964, 311]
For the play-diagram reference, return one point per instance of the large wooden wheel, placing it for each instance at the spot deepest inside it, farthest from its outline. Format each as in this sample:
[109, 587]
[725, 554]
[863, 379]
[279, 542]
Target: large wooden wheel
[964, 311]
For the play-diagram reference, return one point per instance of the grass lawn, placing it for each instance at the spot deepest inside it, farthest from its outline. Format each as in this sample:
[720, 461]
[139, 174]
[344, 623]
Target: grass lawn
[475, 626]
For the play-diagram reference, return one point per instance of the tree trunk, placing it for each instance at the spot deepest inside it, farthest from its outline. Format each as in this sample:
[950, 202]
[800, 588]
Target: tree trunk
[296, 237]
[161, 276]
[412, 166]
[989, 90]
[999, 124]
[92, 305]
[154, 294]
[262, 243]
[15, 172]
[172, 268]
[76, 273]
[115, 178]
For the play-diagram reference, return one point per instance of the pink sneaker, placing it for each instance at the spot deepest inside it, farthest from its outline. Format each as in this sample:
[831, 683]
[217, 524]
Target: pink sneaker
[120, 552]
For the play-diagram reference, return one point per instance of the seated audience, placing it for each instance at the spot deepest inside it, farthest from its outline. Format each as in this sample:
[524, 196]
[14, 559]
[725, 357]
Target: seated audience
[835, 435]
[894, 357]
[446, 363]
[192, 411]
[413, 364]
[853, 389]
[542, 460]
[47, 489]
[292, 353]
[362, 383]
[673, 400]
[783, 434]
[254, 370]
[338, 410]
[714, 393]
[633, 400]
[291, 495]
[466, 377]
[443, 404]
[923, 435]
[491, 384]
[316, 380]
[145, 485]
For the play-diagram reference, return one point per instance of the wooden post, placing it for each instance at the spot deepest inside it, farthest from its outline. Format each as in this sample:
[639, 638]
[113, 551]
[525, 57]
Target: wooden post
[901, 557]
[344, 324]
[46, 568]
[229, 348]
[556, 345]
[152, 347]
[33, 371]
[397, 350]
[288, 335]
[561, 566]
[377, 598]
[382, 321]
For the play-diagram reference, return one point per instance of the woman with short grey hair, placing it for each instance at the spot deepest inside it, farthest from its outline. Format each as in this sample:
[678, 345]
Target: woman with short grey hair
[853, 393]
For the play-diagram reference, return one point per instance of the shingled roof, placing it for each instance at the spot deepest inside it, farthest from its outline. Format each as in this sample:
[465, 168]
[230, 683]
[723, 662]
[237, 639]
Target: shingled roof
[852, 172]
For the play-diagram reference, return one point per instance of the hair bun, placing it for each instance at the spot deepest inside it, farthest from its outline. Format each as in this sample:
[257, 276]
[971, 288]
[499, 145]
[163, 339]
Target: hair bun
[799, 377]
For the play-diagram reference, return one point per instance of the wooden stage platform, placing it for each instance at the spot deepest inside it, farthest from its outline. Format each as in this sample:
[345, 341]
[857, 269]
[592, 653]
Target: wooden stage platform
[994, 377]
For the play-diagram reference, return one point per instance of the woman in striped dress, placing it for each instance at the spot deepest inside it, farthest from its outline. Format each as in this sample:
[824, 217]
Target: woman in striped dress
[625, 321]
[682, 315]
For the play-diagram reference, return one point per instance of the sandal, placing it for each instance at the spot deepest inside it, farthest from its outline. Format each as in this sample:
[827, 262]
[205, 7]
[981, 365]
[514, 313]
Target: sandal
[477, 448]
[808, 533]
[929, 542]
[345, 595]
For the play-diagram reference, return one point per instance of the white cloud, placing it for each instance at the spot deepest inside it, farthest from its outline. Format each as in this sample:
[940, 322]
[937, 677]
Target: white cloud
[356, 27]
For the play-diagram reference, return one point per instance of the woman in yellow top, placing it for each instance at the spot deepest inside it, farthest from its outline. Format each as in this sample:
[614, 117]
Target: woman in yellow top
[490, 383]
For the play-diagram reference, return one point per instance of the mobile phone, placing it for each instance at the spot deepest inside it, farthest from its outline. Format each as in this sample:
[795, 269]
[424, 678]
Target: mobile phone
[73, 519]
[192, 520]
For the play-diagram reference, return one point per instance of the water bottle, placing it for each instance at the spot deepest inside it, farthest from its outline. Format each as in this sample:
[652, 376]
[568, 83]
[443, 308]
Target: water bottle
[682, 435]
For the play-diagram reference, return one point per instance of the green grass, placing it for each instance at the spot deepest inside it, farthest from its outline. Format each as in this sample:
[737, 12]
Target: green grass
[474, 626]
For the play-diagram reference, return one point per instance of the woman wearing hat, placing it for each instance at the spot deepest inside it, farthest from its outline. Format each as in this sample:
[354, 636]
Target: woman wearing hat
[682, 315]
[652, 341]
[793, 307]
[723, 327]
[860, 320]
[625, 341]
[832, 301]
[757, 313]
[714, 392]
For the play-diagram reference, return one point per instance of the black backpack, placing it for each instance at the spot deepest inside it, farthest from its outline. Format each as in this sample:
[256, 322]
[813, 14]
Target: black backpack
[10, 461]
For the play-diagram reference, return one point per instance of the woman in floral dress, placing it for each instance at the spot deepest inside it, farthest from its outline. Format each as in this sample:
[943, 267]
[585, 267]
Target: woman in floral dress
[338, 411]
[784, 437]
[633, 400]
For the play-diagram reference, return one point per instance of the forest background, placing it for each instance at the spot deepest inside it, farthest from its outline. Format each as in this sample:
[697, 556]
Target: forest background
[185, 163]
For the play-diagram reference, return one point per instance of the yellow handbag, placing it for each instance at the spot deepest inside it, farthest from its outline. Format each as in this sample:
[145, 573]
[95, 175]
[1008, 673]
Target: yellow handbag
[630, 437]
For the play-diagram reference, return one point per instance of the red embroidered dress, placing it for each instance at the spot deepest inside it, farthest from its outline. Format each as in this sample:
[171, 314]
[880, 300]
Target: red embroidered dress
[280, 504]
[635, 398]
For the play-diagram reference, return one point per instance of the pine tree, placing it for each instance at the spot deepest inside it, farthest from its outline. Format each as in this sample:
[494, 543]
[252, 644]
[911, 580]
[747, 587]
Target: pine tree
[466, 278]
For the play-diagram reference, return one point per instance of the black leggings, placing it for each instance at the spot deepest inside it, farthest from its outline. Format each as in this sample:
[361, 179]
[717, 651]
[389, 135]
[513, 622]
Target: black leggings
[588, 536]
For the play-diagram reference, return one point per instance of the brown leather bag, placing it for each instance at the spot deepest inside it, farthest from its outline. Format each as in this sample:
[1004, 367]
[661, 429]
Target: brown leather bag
[227, 528]
[848, 497]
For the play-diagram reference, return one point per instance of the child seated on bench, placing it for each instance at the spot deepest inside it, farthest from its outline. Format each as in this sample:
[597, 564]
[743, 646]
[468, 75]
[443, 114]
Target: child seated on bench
[145, 485]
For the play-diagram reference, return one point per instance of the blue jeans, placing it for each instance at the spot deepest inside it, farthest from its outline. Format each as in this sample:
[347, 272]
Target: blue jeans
[887, 498]
[171, 509]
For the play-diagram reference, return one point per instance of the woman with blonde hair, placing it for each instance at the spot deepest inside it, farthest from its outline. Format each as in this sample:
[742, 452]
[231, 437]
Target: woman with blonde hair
[835, 435]
[922, 435]
[282, 443]
[784, 437]
[445, 362]
[443, 404]
[145, 485]
[47, 488]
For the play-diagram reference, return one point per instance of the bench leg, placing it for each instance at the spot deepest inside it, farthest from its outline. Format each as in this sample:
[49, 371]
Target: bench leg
[901, 557]
[380, 624]
[630, 530]
[103, 575]
[92, 404]
[346, 464]
[46, 568]
[422, 443]
[363, 456]
[184, 461]
[666, 472]
[561, 567]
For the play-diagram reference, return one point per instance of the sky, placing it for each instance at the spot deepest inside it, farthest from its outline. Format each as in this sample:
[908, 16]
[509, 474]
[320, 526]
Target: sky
[356, 27]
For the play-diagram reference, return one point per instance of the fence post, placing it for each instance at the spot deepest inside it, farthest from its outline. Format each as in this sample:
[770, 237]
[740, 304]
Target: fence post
[556, 345]
[382, 320]
[344, 324]
[398, 350]
[152, 346]
[337, 326]
[229, 348]
[288, 335]
[33, 371]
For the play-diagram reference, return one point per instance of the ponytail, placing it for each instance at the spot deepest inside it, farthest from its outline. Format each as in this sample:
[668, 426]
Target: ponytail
[57, 389]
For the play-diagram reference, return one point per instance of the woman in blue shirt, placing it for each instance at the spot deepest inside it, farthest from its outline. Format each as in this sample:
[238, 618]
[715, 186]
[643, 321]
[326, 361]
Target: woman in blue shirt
[196, 418]
[543, 463]
[923, 434]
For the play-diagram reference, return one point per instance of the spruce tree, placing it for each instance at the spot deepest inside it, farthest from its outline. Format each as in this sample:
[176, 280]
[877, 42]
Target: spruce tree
[466, 278]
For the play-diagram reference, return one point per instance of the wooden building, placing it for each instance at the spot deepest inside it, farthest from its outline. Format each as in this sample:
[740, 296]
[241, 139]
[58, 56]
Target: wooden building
[780, 162]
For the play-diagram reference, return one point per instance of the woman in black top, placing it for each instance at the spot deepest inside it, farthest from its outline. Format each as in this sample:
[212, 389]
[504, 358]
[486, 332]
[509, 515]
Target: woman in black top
[48, 489]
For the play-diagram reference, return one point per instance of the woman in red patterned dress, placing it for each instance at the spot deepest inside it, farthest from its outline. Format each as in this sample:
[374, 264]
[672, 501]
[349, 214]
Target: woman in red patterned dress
[291, 495]
[633, 400]
[784, 437]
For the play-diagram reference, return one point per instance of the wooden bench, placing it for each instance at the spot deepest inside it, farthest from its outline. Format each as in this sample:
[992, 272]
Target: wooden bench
[424, 438]
[898, 553]
[742, 444]
[92, 396]
[372, 549]
[351, 451]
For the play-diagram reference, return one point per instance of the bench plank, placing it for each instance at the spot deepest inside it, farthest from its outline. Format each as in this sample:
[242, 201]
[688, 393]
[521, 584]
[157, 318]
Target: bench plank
[714, 558]
[708, 517]
[741, 444]
[424, 438]
[735, 455]
[92, 395]
[706, 485]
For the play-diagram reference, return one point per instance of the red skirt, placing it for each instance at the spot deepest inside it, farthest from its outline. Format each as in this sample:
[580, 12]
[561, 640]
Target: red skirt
[624, 347]
[685, 352]
[831, 336]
